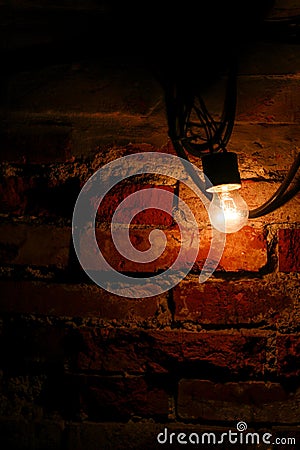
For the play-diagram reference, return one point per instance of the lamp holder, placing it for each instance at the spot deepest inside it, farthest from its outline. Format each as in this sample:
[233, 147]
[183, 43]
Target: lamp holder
[221, 171]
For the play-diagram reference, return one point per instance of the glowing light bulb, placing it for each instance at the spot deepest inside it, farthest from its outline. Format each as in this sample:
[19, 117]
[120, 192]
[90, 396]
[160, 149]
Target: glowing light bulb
[228, 211]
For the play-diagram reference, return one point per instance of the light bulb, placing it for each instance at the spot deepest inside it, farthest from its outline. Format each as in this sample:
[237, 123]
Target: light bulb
[228, 211]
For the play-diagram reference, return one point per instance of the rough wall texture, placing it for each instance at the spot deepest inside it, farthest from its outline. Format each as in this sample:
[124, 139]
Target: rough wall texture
[85, 369]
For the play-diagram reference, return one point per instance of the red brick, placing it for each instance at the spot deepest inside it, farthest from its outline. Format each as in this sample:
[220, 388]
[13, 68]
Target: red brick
[115, 351]
[140, 240]
[289, 250]
[267, 402]
[38, 245]
[106, 351]
[144, 216]
[52, 299]
[223, 302]
[244, 251]
[245, 351]
[119, 398]
[288, 355]
[36, 144]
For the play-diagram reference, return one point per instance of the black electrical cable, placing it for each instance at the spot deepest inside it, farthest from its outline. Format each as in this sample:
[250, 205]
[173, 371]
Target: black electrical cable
[192, 173]
[281, 196]
[217, 133]
[182, 101]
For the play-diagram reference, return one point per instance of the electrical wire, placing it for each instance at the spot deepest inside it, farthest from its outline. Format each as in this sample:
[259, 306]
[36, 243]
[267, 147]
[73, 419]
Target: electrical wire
[182, 102]
[217, 133]
[281, 196]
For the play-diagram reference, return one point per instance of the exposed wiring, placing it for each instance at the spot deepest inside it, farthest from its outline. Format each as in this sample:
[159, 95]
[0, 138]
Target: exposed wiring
[214, 136]
[190, 122]
[282, 195]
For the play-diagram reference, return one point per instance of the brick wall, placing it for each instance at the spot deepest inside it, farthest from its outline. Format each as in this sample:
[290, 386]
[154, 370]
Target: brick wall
[85, 369]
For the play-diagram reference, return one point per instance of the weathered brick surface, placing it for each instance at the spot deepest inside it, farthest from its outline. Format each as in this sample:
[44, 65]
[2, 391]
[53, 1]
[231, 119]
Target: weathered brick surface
[260, 144]
[38, 144]
[118, 398]
[38, 195]
[268, 99]
[235, 302]
[57, 299]
[37, 245]
[267, 402]
[91, 130]
[51, 191]
[162, 351]
[288, 355]
[251, 255]
[22, 392]
[137, 205]
[13, 197]
[262, 98]
[289, 250]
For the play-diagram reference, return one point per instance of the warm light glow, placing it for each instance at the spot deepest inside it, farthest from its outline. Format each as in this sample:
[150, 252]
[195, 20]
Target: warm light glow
[228, 211]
